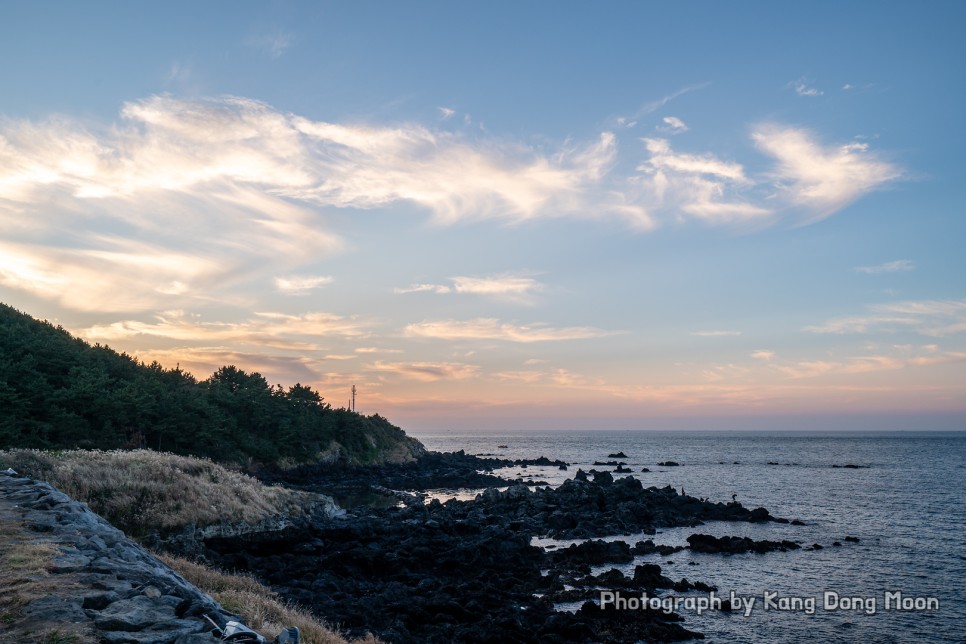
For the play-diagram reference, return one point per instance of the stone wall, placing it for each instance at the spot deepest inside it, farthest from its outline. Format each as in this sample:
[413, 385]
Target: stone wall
[102, 582]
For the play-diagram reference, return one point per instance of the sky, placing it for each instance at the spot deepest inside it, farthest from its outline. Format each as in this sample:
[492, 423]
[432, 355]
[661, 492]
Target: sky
[491, 216]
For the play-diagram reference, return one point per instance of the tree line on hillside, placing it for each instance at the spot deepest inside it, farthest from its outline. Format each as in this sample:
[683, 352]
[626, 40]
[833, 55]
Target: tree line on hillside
[59, 392]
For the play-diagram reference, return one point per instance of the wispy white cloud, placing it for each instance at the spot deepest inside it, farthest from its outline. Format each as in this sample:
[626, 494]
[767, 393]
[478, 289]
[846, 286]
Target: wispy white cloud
[663, 158]
[801, 87]
[934, 318]
[185, 182]
[492, 329]
[763, 354]
[527, 377]
[376, 350]
[238, 183]
[268, 329]
[117, 275]
[301, 284]
[700, 185]
[653, 106]
[723, 372]
[898, 266]
[440, 289]
[445, 112]
[427, 371]
[673, 125]
[507, 286]
[556, 378]
[176, 145]
[452, 177]
[219, 192]
[822, 179]
[868, 364]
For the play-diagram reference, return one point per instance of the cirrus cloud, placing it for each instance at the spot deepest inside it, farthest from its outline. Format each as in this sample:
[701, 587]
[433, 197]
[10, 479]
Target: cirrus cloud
[270, 329]
[243, 185]
[935, 318]
[822, 179]
[301, 284]
[493, 329]
[897, 266]
[514, 288]
[427, 371]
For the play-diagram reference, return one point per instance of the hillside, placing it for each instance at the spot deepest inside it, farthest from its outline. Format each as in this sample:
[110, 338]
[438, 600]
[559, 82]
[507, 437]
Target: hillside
[59, 392]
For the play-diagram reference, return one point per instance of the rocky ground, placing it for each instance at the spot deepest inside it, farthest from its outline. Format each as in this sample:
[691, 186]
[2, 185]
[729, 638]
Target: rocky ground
[466, 571]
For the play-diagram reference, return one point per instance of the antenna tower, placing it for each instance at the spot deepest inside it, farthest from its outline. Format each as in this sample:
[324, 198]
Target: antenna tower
[353, 397]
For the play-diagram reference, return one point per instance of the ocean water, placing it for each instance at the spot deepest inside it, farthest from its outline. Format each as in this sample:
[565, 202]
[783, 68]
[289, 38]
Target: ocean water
[906, 504]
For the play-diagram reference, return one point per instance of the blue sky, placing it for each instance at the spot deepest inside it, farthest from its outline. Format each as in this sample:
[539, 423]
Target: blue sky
[504, 215]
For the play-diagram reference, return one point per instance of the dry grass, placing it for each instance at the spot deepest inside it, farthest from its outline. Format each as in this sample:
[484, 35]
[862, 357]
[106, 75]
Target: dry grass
[260, 607]
[142, 491]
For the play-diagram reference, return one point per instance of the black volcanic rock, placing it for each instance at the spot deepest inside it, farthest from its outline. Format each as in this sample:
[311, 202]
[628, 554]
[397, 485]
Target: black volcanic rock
[737, 545]
[466, 570]
[443, 573]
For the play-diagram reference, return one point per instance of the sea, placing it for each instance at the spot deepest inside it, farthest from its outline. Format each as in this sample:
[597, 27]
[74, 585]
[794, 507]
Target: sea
[905, 502]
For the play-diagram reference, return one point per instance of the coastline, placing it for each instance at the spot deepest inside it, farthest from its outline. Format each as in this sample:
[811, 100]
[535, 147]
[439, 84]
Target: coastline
[527, 558]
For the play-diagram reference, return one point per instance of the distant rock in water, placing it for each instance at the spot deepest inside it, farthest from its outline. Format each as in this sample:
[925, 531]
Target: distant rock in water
[669, 464]
[542, 461]
[851, 466]
[617, 455]
[737, 545]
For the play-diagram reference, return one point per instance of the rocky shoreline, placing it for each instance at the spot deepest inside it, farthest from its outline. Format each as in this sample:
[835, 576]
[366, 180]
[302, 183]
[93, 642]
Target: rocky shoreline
[466, 571]
[460, 571]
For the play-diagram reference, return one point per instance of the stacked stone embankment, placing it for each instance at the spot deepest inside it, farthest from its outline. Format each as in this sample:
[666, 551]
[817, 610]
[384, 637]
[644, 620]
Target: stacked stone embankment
[98, 581]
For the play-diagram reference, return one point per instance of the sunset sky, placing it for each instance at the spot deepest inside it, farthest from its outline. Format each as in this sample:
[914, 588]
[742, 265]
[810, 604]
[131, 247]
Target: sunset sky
[505, 215]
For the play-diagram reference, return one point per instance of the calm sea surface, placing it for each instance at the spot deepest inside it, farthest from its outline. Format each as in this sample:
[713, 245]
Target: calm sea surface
[906, 504]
